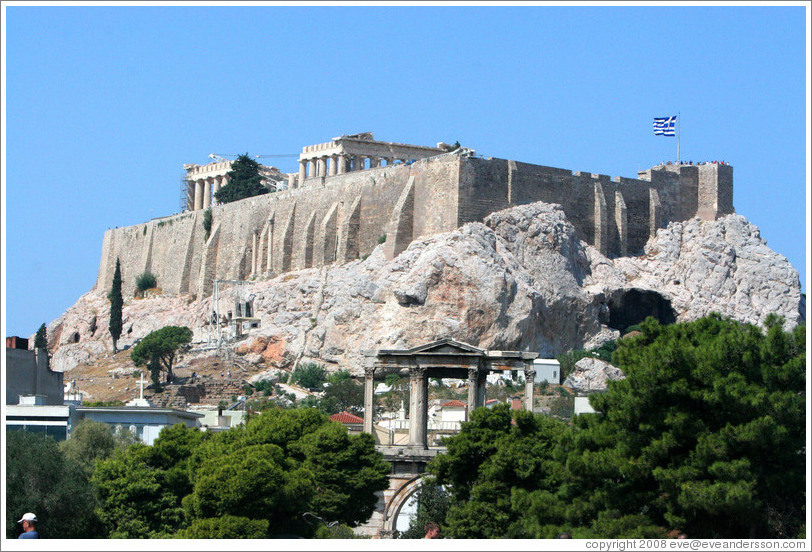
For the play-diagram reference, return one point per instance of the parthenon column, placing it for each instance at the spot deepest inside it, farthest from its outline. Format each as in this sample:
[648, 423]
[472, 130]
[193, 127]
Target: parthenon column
[369, 398]
[418, 407]
[190, 195]
[388, 161]
[219, 182]
[342, 164]
[333, 167]
[198, 194]
[374, 162]
[361, 160]
[302, 172]
[321, 166]
[207, 193]
[529, 379]
[311, 169]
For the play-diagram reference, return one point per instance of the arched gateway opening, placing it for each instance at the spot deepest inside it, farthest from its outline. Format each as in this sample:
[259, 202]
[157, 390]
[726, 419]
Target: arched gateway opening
[441, 359]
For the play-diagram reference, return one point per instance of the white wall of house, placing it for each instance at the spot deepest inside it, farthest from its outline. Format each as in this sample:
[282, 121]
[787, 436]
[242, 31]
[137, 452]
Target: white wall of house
[547, 369]
[582, 406]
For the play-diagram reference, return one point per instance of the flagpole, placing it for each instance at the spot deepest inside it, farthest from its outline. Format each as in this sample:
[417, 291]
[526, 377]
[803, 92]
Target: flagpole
[679, 124]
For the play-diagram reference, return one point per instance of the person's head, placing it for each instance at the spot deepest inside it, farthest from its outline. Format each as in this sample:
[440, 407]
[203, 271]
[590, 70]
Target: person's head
[28, 522]
[432, 530]
[563, 536]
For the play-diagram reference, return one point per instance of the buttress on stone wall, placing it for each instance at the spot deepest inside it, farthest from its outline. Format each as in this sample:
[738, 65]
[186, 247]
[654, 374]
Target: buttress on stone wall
[338, 218]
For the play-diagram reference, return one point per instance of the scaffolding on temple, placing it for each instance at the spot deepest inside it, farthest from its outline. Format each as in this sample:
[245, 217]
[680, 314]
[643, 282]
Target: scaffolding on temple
[184, 193]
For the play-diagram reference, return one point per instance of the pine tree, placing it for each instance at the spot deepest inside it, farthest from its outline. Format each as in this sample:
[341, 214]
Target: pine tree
[244, 180]
[116, 304]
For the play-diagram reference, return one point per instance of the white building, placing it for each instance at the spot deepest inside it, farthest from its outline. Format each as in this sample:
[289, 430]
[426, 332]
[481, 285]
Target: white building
[143, 421]
[547, 369]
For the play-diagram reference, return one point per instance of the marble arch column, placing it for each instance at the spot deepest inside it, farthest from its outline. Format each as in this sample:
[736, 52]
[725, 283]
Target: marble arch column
[529, 380]
[418, 407]
[369, 398]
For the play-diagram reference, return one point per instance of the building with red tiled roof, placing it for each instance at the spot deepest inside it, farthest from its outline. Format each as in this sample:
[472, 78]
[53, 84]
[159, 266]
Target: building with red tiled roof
[454, 403]
[346, 418]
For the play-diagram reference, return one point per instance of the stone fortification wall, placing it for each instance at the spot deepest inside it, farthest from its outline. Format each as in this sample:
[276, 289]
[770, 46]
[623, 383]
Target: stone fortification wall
[345, 216]
[328, 219]
[616, 215]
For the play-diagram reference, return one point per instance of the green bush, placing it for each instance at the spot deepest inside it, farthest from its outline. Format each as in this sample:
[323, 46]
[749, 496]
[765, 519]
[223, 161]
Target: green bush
[309, 375]
[382, 238]
[146, 280]
[207, 220]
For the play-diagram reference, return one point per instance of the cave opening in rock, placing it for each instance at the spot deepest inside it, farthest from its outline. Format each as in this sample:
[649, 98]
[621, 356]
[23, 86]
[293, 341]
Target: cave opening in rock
[628, 307]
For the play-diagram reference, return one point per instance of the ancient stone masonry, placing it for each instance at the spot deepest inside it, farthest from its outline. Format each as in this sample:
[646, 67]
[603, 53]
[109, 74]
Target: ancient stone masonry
[354, 192]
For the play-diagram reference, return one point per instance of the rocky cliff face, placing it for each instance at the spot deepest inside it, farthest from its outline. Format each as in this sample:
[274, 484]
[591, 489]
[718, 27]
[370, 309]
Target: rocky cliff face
[519, 281]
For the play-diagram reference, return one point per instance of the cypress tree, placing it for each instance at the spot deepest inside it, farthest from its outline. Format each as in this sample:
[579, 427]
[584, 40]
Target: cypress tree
[116, 304]
[41, 339]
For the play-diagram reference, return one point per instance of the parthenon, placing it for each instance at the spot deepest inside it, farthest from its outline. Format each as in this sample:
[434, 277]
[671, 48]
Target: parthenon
[343, 154]
[351, 152]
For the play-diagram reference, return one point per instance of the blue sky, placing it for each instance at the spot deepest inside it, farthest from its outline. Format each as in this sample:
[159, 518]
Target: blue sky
[105, 104]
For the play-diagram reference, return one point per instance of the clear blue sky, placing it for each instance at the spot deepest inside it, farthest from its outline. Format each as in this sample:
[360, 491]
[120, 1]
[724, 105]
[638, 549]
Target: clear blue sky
[105, 104]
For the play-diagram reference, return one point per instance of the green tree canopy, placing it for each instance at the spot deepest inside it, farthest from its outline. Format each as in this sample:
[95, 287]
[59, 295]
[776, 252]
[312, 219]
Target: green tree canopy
[343, 394]
[40, 479]
[313, 464]
[226, 527]
[116, 306]
[41, 338]
[704, 435]
[309, 374]
[158, 348]
[91, 441]
[271, 471]
[137, 497]
[707, 429]
[244, 180]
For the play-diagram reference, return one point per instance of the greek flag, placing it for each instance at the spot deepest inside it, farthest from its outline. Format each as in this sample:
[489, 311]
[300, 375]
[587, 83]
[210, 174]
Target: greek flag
[664, 126]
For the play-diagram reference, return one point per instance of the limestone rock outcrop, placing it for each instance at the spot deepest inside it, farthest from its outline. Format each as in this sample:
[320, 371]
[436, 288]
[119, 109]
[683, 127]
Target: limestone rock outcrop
[521, 280]
[592, 374]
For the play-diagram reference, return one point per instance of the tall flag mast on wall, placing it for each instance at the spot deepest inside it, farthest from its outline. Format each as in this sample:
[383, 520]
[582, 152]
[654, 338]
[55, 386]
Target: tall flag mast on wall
[664, 126]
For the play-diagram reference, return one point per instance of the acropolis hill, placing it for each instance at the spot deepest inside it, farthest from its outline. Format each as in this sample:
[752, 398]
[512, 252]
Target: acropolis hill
[352, 191]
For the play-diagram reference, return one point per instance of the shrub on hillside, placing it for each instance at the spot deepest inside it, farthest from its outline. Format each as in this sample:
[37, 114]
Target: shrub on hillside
[146, 280]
